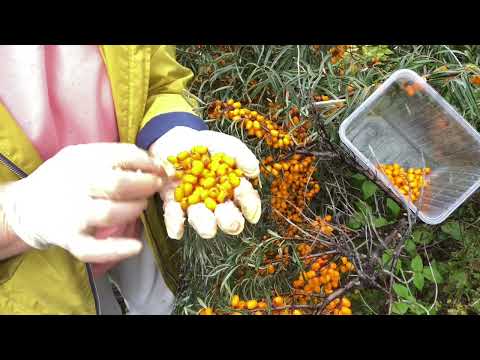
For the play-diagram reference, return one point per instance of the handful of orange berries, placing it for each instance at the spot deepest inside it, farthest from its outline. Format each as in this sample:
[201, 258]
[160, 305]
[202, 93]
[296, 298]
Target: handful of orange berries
[408, 182]
[206, 178]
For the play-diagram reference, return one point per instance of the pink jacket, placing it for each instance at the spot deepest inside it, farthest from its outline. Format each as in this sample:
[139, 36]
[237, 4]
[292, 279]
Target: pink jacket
[60, 95]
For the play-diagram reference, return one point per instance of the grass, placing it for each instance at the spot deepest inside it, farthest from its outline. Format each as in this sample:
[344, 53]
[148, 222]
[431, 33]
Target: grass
[272, 80]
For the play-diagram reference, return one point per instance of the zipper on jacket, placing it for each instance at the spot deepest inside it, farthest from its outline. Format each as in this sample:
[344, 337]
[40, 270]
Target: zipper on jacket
[21, 174]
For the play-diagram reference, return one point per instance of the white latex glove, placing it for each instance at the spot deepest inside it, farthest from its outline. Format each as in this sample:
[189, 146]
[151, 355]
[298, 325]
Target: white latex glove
[227, 216]
[80, 190]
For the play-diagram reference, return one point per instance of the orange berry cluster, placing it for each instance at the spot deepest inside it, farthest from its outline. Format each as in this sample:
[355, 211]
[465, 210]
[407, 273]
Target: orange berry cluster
[204, 178]
[321, 98]
[261, 126]
[255, 307]
[475, 79]
[337, 53]
[292, 187]
[339, 306]
[322, 274]
[271, 260]
[322, 224]
[255, 124]
[322, 278]
[408, 182]
[207, 311]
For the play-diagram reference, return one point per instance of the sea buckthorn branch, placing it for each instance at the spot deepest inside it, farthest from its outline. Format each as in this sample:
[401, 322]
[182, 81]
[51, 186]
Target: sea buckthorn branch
[315, 233]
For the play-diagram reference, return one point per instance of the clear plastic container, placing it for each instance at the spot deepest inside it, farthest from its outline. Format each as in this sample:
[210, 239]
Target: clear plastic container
[406, 121]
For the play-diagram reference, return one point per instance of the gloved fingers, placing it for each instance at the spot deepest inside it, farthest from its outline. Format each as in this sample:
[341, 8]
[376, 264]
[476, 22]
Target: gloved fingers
[229, 218]
[202, 220]
[174, 218]
[89, 249]
[130, 157]
[249, 201]
[113, 155]
[124, 185]
[101, 212]
[173, 214]
[230, 145]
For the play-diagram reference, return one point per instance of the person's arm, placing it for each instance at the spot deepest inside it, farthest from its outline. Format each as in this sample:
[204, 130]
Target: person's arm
[170, 125]
[168, 104]
[69, 197]
[10, 243]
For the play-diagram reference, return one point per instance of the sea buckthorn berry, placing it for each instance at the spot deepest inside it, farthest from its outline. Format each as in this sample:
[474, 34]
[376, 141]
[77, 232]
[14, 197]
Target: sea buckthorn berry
[241, 305]
[271, 269]
[209, 182]
[197, 167]
[222, 169]
[184, 204]
[189, 178]
[172, 159]
[298, 284]
[179, 174]
[251, 304]
[200, 149]
[226, 186]
[193, 199]
[278, 301]
[182, 156]
[262, 305]
[235, 300]
[230, 161]
[238, 172]
[346, 302]
[179, 193]
[187, 189]
[345, 311]
[213, 192]
[210, 203]
[206, 311]
[222, 195]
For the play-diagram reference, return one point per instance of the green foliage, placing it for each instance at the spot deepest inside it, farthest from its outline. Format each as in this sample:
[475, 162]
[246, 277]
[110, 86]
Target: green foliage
[379, 52]
[439, 266]
[368, 189]
[393, 208]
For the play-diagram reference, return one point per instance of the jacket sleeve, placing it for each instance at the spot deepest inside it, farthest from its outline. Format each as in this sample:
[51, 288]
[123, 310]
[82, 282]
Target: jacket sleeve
[167, 105]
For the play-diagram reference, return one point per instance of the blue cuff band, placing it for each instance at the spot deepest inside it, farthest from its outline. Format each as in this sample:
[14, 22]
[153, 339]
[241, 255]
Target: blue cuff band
[159, 125]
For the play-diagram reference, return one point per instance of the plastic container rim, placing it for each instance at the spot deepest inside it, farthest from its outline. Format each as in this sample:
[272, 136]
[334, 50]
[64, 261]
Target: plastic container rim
[376, 94]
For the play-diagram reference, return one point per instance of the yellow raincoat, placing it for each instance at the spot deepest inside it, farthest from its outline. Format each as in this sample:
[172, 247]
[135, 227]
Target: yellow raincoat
[146, 82]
